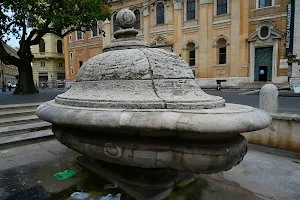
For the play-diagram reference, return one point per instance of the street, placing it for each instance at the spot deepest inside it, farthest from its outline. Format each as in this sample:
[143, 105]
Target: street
[44, 95]
[286, 104]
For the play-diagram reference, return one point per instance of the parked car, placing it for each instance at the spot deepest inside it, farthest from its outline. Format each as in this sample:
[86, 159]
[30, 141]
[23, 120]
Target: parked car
[13, 85]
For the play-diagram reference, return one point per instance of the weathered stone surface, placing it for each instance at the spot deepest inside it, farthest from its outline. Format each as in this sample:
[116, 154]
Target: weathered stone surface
[115, 65]
[230, 119]
[139, 106]
[185, 94]
[202, 156]
[268, 98]
[126, 94]
[167, 65]
[125, 18]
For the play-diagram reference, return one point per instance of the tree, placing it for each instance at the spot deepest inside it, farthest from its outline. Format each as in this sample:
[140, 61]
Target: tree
[39, 17]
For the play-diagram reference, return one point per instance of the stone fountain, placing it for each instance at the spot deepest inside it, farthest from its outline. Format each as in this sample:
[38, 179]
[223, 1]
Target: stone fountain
[138, 117]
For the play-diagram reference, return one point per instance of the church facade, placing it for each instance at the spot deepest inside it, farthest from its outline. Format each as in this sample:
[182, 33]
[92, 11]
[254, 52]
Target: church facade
[240, 42]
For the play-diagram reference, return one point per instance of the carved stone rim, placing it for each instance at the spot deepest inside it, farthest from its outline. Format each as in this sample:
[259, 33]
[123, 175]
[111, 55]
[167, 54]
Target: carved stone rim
[232, 119]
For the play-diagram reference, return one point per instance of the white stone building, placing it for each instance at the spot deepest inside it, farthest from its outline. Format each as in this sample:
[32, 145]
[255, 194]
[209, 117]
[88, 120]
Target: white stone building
[296, 46]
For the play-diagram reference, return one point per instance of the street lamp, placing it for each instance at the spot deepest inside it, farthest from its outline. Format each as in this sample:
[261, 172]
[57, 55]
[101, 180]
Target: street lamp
[3, 85]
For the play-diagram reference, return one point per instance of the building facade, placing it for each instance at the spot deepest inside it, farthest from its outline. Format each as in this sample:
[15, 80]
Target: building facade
[233, 40]
[8, 73]
[80, 47]
[48, 63]
[295, 75]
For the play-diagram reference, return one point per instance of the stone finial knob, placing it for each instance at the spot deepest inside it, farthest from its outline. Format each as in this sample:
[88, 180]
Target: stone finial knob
[126, 18]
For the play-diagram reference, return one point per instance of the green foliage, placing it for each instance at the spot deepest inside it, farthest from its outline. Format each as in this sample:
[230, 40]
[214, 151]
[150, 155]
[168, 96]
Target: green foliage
[52, 16]
[59, 17]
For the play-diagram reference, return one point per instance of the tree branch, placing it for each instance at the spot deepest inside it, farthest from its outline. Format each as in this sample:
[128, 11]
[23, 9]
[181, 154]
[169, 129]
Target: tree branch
[23, 41]
[31, 34]
[6, 57]
[68, 32]
[42, 32]
[10, 24]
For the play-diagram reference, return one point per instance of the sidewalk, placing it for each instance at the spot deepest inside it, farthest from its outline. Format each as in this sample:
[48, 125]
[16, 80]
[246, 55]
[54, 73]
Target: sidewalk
[259, 176]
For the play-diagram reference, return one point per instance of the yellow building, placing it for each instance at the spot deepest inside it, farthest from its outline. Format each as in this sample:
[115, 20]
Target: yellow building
[8, 73]
[233, 40]
[48, 63]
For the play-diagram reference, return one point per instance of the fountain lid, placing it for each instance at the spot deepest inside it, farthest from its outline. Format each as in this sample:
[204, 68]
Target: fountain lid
[136, 88]
[131, 75]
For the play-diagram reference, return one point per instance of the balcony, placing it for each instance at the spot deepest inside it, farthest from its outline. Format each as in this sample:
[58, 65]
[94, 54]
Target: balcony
[48, 55]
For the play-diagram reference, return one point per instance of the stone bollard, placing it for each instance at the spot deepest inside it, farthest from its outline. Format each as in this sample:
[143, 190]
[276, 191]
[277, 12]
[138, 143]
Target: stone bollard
[268, 98]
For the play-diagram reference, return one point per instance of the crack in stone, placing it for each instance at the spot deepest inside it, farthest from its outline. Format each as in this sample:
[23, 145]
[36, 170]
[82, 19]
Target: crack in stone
[152, 81]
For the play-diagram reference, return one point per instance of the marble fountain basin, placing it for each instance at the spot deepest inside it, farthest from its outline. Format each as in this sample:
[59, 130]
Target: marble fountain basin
[195, 141]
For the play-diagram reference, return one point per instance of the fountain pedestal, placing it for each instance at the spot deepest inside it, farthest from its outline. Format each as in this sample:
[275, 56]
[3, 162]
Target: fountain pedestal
[143, 184]
[139, 108]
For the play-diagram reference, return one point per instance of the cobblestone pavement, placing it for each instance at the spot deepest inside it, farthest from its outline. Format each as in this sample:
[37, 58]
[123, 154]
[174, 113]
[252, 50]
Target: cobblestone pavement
[260, 175]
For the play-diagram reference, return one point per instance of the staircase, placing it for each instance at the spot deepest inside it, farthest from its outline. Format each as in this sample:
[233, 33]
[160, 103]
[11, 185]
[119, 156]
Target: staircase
[19, 123]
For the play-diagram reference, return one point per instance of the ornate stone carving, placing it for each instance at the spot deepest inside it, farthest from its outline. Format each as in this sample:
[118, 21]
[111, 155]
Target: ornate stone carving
[221, 37]
[205, 1]
[160, 41]
[272, 32]
[177, 4]
[145, 10]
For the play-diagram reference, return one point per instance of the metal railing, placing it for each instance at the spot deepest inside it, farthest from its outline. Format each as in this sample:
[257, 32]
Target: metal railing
[56, 84]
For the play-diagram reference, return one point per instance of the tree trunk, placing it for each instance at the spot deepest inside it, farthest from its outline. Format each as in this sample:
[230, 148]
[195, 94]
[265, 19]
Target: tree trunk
[25, 83]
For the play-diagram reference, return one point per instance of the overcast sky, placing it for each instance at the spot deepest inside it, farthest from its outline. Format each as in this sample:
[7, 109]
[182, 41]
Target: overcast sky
[13, 42]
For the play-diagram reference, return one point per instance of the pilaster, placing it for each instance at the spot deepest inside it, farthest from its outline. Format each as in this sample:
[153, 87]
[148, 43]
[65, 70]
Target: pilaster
[235, 39]
[107, 29]
[177, 48]
[205, 50]
[146, 23]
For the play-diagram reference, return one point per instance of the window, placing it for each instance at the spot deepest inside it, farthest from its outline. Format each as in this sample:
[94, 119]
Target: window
[138, 19]
[59, 46]
[221, 7]
[194, 72]
[80, 63]
[79, 35]
[61, 76]
[160, 13]
[192, 58]
[42, 64]
[265, 3]
[43, 76]
[60, 64]
[222, 55]
[192, 53]
[72, 70]
[221, 44]
[42, 46]
[264, 32]
[115, 24]
[70, 37]
[71, 55]
[190, 10]
[95, 30]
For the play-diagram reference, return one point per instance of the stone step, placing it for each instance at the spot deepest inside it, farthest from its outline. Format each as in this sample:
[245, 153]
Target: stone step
[25, 137]
[17, 112]
[19, 106]
[19, 120]
[24, 128]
